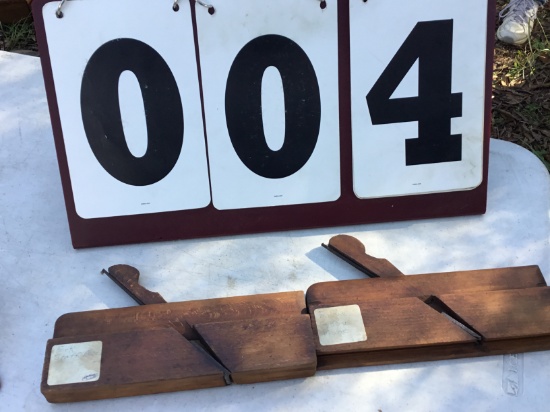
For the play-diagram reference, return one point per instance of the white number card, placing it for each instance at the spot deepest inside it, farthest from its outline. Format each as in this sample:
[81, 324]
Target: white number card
[417, 95]
[129, 105]
[270, 81]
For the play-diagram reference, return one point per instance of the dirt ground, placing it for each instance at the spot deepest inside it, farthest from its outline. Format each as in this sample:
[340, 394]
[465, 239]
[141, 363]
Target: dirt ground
[521, 89]
[521, 82]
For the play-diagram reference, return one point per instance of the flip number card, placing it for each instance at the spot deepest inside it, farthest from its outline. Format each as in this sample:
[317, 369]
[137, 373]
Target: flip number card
[182, 119]
[417, 97]
[129, 107]
[271, 102]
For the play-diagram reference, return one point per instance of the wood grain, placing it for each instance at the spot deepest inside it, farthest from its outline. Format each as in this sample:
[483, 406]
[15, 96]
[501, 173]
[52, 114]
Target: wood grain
[353, 251]
[180, 315]
[138, 363]
[399, 323]
[433, 353]
[354, 291]
[505, 314]
[509, 307]
[260, 350]
[127, 278]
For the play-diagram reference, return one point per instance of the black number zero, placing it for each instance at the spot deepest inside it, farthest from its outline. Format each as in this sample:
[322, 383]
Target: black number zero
[243, 106]
[102, 118]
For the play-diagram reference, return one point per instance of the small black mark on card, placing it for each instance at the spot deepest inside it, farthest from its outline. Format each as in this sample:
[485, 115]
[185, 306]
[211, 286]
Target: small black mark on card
[89, 377]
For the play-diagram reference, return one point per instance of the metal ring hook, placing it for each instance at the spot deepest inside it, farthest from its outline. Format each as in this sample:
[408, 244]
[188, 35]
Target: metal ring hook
[58, 12]
[210, 8]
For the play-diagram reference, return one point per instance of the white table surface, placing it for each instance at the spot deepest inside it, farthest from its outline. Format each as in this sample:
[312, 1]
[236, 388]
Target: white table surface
[43, 277]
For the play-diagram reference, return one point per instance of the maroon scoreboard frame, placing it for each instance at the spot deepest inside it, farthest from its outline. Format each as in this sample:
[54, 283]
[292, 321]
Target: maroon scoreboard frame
[208, 221]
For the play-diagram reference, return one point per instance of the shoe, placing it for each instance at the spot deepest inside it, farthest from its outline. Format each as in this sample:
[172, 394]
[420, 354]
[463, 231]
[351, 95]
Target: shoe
[519, 17]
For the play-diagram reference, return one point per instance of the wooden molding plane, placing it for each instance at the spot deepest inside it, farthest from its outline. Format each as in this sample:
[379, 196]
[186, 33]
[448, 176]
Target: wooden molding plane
[388, 318]
[242, 339]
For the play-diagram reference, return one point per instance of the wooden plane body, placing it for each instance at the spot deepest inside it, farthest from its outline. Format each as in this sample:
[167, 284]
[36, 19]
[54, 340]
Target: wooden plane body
[478, 313]
[391, 318]
[183, 345]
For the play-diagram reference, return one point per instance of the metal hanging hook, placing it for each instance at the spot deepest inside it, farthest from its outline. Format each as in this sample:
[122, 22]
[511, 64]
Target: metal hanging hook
[210, 8]
[175, 6]
[58, 12]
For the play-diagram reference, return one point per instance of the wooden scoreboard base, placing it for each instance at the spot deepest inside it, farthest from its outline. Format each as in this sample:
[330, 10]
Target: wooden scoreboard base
[303, 116]
[165, 347]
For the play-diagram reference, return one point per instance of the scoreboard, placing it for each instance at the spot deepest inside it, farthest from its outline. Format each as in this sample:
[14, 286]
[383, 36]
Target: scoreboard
[183, 119]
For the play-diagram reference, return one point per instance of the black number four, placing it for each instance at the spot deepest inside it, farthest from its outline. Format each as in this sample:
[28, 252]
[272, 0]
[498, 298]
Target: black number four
[431, 43]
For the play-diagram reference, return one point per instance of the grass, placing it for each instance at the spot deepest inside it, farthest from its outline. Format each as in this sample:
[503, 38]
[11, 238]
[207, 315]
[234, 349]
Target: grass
[18, 36]
[524, 63]
[521, 90]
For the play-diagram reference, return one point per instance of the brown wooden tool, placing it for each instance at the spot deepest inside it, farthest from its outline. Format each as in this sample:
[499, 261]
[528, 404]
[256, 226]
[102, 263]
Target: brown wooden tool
[128, 363]
[247, 338]
[428, 316]
[403, 324]
[264, 349]
[353, 251]
[390, 318]
[127, 277]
